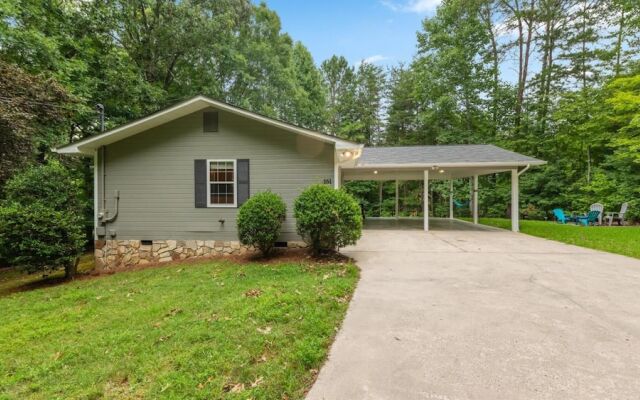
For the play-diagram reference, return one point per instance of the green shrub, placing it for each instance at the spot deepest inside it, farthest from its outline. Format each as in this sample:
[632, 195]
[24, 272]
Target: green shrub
[50, 184]
[327, 219]
[41, 219]
[260, 220]
[40, 239]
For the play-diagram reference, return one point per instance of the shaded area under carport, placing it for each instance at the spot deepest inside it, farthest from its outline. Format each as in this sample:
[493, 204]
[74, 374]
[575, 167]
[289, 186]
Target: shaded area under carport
[435, 224]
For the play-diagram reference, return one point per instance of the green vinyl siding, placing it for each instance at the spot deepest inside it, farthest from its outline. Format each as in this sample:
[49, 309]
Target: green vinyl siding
[154, 173]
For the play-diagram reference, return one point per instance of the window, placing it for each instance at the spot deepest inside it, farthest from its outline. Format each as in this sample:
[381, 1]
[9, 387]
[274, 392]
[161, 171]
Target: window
[221, 186]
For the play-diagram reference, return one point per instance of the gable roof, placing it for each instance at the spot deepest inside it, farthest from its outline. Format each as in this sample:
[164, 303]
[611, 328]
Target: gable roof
[89, 145]
[442, 155]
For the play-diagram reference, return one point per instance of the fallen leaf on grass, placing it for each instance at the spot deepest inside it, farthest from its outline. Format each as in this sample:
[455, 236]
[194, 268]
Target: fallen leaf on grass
[233, 387]
[257, 382]
[265, 331]
[343, 299]
[326, 276]
[203, 384]
[212, 318]
[173, 312]
[165, 387]
[253, 293]
[57, 355]
[164, 338]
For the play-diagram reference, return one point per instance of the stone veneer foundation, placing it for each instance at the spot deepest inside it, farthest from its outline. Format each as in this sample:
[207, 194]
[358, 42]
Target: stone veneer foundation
[111, 254]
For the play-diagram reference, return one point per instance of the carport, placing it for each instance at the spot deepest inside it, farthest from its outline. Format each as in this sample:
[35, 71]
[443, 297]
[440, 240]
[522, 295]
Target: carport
[439, 162]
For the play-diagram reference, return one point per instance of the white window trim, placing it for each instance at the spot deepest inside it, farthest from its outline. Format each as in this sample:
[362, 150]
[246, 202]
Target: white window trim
[235, 185]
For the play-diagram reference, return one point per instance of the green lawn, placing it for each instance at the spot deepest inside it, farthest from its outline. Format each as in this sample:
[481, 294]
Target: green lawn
[202, 331]
[623, 240]
[12, 280]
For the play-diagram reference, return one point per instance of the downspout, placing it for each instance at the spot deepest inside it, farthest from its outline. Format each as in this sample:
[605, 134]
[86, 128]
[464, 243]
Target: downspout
[104, 180]
[104, 214]
[524, 169]
[104, 218]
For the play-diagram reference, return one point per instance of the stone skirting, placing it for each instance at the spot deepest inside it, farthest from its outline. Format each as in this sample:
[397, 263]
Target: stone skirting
[112, 254]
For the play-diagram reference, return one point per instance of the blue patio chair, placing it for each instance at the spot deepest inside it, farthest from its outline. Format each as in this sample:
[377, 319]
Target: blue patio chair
[558, 213]
[590, 219]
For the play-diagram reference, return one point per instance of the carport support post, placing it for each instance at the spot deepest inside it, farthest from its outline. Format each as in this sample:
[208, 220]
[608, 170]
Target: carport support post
[475, 199]
[450, 198]
[425, 197]
[515, 200]
[397, 199]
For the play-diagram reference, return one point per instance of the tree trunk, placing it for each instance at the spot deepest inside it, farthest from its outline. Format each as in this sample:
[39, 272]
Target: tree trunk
[619, 42]
[71, 269]
[588, 164]
[486, 15]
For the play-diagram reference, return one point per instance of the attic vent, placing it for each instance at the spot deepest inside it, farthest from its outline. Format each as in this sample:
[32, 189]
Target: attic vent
[210, 121]
[146, 242]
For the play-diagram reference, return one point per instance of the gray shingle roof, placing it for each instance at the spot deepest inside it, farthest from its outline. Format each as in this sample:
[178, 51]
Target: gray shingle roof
[442, 154]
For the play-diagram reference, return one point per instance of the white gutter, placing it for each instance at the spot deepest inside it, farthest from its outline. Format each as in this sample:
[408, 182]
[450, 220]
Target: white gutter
[449, 164]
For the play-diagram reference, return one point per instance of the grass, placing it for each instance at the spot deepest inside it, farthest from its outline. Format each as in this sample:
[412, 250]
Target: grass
[13, 280]
[623, 240]
[214, 330]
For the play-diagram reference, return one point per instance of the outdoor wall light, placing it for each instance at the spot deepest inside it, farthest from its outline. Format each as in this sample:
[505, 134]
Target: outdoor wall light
[347, 154]
[375, 172]
[441, 171]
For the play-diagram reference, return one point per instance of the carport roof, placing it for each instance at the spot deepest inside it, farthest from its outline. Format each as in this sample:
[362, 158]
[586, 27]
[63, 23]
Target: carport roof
[442, 155]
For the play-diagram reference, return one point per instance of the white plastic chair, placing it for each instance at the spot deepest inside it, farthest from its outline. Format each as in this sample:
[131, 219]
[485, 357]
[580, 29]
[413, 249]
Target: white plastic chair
[618, 216]
[598, 207]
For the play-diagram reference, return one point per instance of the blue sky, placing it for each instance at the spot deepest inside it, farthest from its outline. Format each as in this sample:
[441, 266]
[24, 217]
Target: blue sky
[379, 31]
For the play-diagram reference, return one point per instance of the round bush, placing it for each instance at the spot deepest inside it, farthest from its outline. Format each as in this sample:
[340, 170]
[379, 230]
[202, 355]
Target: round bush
[327, 219]
[39, 239]
[51, 184]
[260, 220]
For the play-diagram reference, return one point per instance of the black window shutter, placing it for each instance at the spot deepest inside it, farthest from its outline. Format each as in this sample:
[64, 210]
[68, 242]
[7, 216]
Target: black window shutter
[243, 181]
[200, 178]
[210, 121]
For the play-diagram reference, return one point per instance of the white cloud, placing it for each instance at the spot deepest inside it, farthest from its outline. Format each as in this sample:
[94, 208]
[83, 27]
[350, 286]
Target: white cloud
[415, 6]
[420, 6]
[373, 59]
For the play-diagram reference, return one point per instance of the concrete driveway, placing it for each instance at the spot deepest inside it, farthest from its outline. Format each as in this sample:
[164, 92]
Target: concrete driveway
[485, 314]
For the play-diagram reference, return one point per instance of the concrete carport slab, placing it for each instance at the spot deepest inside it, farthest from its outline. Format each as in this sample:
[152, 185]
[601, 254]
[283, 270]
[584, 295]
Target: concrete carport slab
[466, 314]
